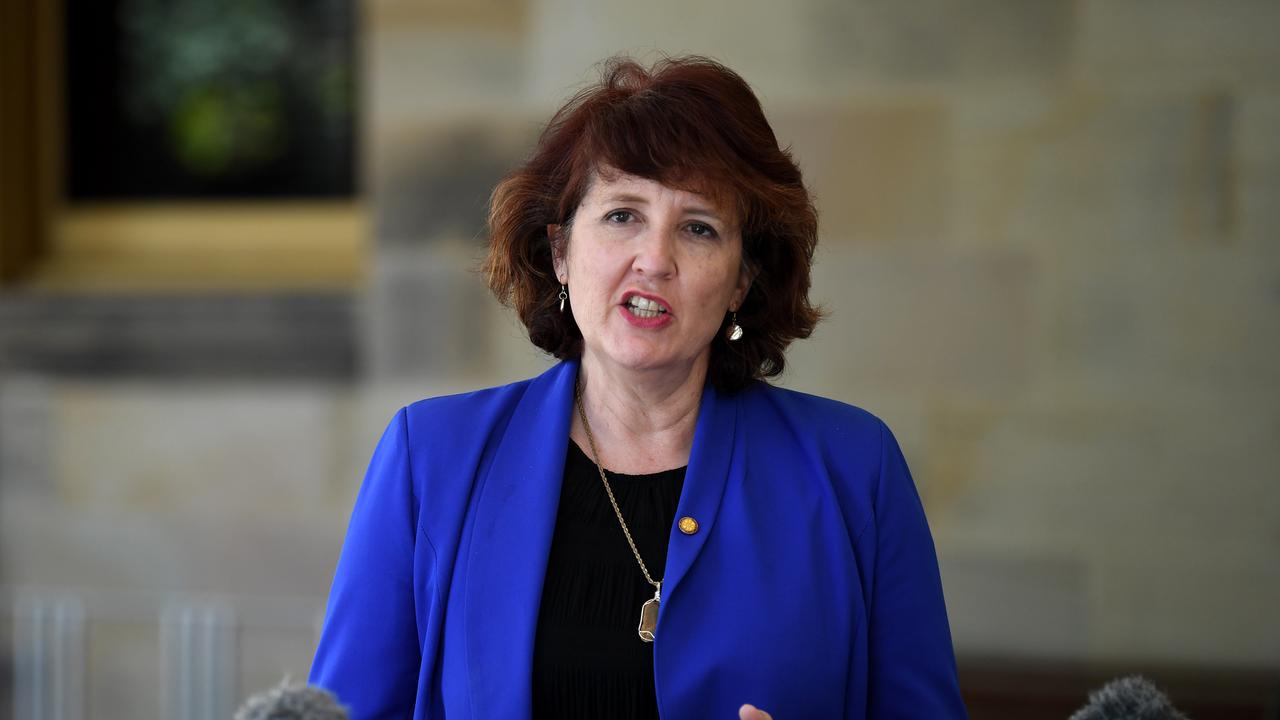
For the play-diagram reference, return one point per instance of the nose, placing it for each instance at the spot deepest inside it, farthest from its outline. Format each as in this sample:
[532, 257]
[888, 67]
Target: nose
[655, 254]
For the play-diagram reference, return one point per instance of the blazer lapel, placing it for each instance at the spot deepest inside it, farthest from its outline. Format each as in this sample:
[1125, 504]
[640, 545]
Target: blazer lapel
[514, 521]
[710, 463]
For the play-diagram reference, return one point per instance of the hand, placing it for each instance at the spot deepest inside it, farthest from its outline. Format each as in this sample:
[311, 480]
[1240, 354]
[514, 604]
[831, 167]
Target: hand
[751, 712]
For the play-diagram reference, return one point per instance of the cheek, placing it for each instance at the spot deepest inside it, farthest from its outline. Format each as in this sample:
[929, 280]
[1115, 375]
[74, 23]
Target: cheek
[593, 271]
[720, 282]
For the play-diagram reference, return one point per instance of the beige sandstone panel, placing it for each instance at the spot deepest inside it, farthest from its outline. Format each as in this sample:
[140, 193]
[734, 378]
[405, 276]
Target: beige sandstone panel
[876, 170]
[992, 133]
[241, 448]
[1114, 479]
[1015, 602]
[765, 42]
[883, 42]
[427, 59]
[1113, 170]
[1157, 606]
[815, 50]
[1172, 508]
[1140, 325]
[1257, 158]
[922, 320]
[431, 179]
[1162, 44]
[51, 546]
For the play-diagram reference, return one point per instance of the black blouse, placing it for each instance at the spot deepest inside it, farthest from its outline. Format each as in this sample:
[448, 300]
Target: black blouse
[588, 660]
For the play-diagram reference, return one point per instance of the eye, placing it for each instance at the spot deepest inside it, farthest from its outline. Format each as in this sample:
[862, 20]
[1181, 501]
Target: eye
[619, 216]
[702, 230]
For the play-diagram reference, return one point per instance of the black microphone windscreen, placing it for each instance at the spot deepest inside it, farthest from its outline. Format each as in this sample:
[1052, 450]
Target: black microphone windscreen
[292, 703]
[1130, 698]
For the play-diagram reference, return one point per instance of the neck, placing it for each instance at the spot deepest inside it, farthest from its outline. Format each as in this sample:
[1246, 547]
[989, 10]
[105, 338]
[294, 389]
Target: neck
[643, 422]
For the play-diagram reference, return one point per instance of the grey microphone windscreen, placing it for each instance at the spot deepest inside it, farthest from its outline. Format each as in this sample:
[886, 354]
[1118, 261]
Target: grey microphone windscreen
[292, 703]
[1130, 698]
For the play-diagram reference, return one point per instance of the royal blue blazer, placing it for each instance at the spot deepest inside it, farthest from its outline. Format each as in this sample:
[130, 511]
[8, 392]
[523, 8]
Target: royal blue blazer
[810, 588]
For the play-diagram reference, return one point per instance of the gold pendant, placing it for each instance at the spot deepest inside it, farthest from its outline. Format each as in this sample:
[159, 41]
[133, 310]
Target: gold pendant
[649, 616]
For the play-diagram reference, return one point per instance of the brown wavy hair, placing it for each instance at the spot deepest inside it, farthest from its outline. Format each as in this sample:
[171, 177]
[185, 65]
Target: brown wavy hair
[689, 123]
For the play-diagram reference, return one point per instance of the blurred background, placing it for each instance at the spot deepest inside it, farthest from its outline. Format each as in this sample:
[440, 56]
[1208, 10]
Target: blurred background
[237, 235]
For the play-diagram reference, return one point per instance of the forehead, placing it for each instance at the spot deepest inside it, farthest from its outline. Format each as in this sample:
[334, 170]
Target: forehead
[609, 184]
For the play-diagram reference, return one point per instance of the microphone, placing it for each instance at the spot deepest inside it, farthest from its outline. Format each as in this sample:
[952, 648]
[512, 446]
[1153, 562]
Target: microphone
[298, 702]
[1129, 698]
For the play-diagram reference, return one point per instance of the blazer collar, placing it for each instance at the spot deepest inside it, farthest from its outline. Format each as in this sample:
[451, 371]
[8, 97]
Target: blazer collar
[704, 484]
[514, 521]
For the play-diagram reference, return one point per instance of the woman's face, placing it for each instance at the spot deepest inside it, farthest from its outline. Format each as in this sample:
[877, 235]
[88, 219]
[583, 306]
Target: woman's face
[651, 272]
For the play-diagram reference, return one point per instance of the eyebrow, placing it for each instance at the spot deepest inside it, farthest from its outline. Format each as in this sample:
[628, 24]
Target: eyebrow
[637, 200]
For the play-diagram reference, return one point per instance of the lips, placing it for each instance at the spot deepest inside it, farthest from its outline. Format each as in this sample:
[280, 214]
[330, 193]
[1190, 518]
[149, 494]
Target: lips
[647, 312]
[646, 307]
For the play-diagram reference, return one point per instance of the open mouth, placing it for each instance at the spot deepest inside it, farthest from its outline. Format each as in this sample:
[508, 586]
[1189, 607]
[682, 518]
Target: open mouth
[643, 307]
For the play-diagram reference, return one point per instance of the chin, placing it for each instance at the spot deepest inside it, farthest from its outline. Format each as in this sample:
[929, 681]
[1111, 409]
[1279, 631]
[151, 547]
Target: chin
[639, 362]
[641, 356]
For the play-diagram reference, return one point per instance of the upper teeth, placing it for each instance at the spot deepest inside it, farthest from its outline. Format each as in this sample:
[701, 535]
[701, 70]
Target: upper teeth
[641, 303]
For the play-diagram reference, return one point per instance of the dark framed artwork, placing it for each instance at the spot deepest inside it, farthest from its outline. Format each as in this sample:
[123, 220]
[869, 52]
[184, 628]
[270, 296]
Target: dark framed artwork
[210, 99]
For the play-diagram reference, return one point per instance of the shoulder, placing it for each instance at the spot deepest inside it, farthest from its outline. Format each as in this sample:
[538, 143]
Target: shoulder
[829, 422]
[464, 411]
[460, 430]
[856, 450]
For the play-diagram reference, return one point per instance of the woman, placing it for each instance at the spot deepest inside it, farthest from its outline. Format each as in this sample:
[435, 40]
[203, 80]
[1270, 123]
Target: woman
[647, 528]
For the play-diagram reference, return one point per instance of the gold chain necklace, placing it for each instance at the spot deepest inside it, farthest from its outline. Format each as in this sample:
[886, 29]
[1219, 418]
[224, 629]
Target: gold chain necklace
[649, 610]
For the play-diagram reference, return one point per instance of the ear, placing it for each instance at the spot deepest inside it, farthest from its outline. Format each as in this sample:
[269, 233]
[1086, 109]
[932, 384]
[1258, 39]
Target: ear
[746, 276]
[555, 236]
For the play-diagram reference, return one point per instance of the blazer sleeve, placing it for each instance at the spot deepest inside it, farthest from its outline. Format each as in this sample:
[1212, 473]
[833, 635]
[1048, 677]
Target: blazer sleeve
[368, 653]
[912, 668]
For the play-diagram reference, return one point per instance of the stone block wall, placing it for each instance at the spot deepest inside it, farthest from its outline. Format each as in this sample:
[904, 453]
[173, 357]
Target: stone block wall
[1048, 249]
